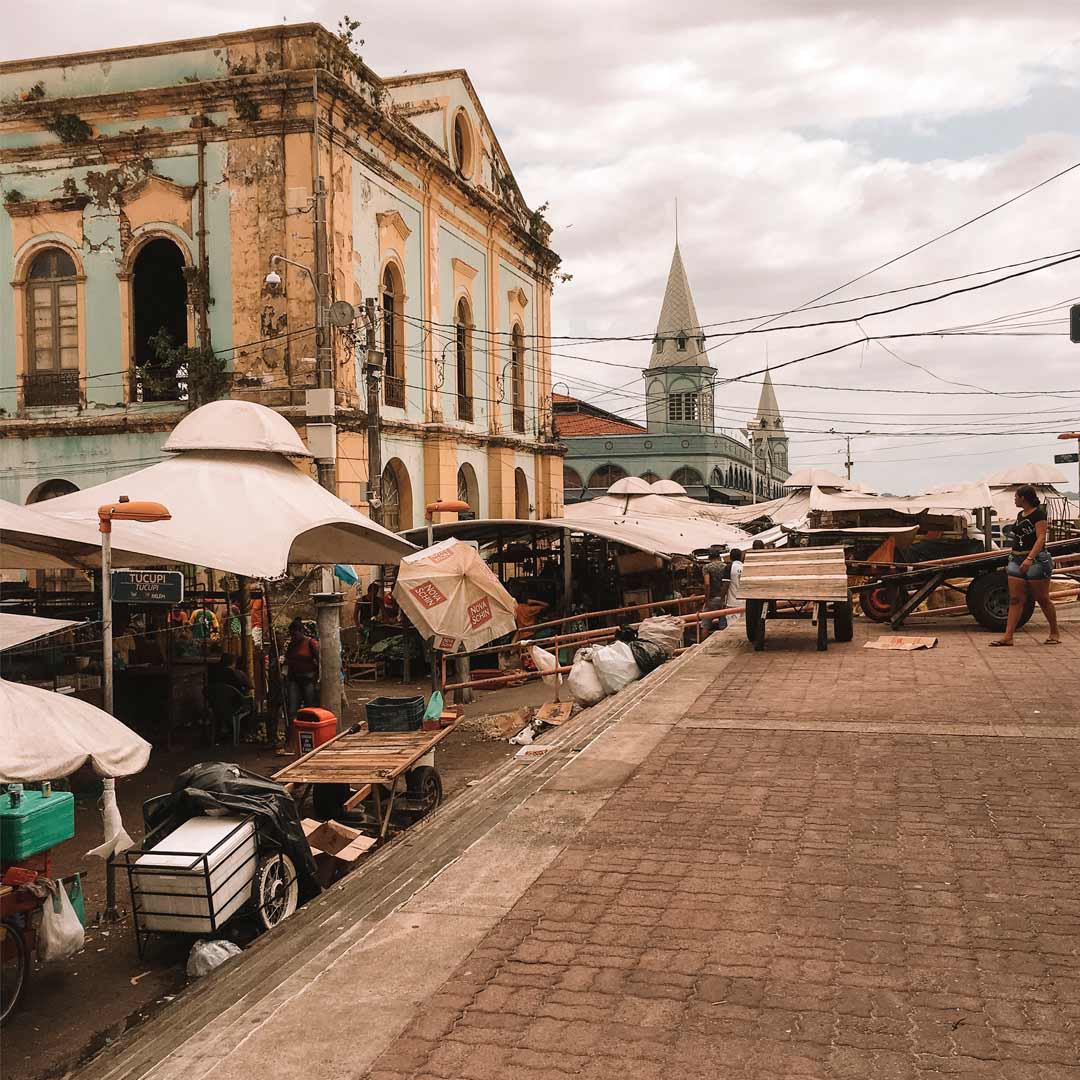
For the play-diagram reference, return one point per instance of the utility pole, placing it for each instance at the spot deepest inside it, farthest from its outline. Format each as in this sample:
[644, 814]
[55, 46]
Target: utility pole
[848, 463]
[373, 366]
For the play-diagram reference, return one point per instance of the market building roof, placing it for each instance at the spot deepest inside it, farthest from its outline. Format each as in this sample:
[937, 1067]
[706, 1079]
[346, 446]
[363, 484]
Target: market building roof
[575, 418]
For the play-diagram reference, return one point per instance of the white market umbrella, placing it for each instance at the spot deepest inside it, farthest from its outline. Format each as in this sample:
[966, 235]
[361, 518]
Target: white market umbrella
[451, 596]
[18, 629]
[1033, 472]
[45, 735]
[237, 503]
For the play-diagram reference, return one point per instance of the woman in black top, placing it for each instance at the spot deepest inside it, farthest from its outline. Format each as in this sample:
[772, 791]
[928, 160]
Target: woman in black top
[1030, 566]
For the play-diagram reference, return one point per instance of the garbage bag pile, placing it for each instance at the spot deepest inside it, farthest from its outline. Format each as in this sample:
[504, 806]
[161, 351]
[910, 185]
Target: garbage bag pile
[600, 670]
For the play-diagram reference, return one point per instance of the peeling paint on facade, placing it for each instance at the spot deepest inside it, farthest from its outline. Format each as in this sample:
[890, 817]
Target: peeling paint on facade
[205, 152]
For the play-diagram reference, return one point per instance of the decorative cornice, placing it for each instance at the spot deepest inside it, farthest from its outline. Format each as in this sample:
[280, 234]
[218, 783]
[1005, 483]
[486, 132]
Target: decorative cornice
[464, 269]
[517, 296]
[35, 207]
[391, 219]
[130, 194]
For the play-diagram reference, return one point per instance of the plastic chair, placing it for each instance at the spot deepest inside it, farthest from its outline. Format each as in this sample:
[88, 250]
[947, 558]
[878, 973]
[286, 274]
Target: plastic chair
[229, 706]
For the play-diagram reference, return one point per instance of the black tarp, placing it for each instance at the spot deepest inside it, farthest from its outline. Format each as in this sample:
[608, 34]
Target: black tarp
[214, 786]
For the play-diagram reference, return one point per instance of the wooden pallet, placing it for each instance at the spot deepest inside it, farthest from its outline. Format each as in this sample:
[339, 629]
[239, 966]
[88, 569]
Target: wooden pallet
[794, 574]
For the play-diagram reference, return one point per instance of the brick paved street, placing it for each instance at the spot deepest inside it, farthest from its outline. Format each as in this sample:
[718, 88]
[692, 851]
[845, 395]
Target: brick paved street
[857, 864]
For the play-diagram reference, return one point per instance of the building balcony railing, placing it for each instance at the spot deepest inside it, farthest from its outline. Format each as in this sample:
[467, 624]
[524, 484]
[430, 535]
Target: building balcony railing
[464, 407]
[51, 388]
[394, 391]
[518, 419]
[154, 383]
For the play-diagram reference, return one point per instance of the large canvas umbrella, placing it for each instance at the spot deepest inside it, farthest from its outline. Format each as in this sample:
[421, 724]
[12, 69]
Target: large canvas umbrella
[452, 597]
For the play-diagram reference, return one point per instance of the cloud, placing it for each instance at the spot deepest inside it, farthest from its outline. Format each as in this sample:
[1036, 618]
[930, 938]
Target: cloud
[806, 141]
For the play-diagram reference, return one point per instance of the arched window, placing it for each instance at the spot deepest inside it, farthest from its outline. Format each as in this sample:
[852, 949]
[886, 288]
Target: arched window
[393, 305]
[159, 313]
[397, 510]
[50, 489]
[517, 379]
[571, 479]
[688, 477]
[52, 370]
[521, 494]
[463, 340]
[468, 490]
[684, 408]
[651, 477]
[603, 477]
[716, 477]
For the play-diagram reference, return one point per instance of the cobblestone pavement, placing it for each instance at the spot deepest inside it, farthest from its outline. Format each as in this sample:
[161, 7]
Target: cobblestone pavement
[787, 888]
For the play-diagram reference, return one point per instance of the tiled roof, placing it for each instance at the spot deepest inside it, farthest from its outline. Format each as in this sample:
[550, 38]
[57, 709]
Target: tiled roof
[573, 424]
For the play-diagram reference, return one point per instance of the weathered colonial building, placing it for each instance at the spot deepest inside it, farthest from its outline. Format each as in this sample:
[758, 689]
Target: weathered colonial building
[681, 441]
[148, 188]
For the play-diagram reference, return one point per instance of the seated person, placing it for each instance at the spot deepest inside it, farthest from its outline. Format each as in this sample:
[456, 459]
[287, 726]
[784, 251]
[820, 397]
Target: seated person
[225, 671]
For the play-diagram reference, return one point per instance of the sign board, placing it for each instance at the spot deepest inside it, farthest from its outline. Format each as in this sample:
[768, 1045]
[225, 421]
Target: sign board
[1074, 324]
[147, 586]
[1066, 459]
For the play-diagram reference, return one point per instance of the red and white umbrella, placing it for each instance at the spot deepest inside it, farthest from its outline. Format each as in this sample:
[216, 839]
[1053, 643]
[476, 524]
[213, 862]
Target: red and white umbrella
[452, 597]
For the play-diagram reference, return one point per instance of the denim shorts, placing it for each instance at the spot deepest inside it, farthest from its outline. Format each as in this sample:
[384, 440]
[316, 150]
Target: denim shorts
[1040, 570]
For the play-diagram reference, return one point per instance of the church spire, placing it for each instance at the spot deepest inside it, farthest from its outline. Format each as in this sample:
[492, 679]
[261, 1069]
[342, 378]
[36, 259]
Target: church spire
[679, 340]
[768, 409]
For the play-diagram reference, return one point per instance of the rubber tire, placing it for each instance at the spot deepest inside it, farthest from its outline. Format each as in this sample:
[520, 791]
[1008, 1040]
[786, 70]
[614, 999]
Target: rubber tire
[878, 605]
[985, 602]
[754, 612]
[267, 919]
[822, 627]
[328, 800]
[13, 939]
[843, 621]
[424, 782]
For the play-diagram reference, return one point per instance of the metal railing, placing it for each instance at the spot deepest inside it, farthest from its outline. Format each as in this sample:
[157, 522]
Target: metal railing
[519, 419]
[394, 391]
[51, 388]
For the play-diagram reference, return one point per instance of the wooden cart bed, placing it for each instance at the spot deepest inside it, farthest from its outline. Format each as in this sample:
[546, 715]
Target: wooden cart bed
[794, 574]
[361, 758]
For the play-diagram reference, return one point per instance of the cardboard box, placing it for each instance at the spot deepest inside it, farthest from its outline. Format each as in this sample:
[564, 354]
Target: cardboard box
[335, 847]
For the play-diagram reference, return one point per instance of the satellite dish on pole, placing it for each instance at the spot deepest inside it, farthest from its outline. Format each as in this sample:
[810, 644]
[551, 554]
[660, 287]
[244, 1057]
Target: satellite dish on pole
[342, 313]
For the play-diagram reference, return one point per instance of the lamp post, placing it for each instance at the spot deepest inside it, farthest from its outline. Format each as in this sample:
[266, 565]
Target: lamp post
[1074, 435]
[442, 506]
[123, 510]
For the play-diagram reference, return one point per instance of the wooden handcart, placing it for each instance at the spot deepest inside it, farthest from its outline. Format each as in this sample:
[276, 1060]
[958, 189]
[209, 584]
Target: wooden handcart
[800, 583]
[373, 771]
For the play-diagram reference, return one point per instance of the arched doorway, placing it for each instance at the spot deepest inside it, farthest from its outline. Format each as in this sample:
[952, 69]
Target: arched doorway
[50, 489]
[52, 332]
[159, 307]
[393, 303]
[468, 490]
[55, 580]
[397, 513]
[521, 494]
[463, 342]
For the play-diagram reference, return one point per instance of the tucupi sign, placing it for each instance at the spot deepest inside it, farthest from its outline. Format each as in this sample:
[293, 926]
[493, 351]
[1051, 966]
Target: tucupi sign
[147, 586]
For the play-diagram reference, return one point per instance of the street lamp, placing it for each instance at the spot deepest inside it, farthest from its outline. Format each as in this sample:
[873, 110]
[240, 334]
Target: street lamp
[1074, 435]
[442, 506]
[124, 510]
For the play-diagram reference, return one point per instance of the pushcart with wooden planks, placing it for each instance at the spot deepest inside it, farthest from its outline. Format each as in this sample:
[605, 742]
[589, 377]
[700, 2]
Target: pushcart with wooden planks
[373, 771]
[799, 583]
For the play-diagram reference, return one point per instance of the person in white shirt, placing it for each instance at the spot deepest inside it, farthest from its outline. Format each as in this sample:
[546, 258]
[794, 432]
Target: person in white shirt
[734, 575]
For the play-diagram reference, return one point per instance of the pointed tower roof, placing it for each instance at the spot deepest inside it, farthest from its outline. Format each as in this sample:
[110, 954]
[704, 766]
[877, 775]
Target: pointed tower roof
[768, 409]
[678, 322]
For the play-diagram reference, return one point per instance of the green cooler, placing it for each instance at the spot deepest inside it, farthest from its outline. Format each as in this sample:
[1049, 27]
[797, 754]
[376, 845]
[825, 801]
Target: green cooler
[36, 824]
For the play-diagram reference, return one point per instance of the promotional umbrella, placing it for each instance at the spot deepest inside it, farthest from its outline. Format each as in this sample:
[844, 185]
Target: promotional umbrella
[452, 597]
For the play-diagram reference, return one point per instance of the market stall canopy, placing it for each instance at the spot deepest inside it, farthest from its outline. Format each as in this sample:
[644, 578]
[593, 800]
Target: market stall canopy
[659, 522]
[238, 504]
[452, 597]
[965, 498]
[808, 478]
[18, 629]
[45, 735]
[1033, 472]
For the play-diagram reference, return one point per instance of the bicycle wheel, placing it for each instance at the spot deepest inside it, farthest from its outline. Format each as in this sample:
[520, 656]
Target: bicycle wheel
[14, 968]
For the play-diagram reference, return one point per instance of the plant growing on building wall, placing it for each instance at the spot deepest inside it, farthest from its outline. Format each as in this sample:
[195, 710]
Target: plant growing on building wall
[200, 367]
[35, 93]
[14, 195]
[539, 228]
[347, 27]
[246, 109]
[69, 128]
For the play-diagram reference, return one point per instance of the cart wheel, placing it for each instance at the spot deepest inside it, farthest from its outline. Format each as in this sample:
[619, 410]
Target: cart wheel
[425, 784]
[275, 890]
[988, 600]
[843, 626]
[328, 800]
[879, 604]
[14, 968]
[754, 611]
[822, 627]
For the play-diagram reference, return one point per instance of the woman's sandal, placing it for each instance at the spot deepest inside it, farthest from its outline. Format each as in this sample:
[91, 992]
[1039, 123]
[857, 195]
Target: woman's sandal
[1001, 644]
[1052, 641]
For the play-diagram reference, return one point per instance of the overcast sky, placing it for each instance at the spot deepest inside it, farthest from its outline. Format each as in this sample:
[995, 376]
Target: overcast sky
[806, 142]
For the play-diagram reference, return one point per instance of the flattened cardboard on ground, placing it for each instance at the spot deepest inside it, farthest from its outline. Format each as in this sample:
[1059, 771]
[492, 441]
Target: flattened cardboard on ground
[897, 643]
[335, 847]
[555, 712]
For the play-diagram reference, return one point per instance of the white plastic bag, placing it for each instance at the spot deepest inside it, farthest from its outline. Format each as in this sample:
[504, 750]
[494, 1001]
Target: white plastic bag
[61, 934]
[664, 630]
[615, 666]
[207, 955]
[545, 661]
[584, 684]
